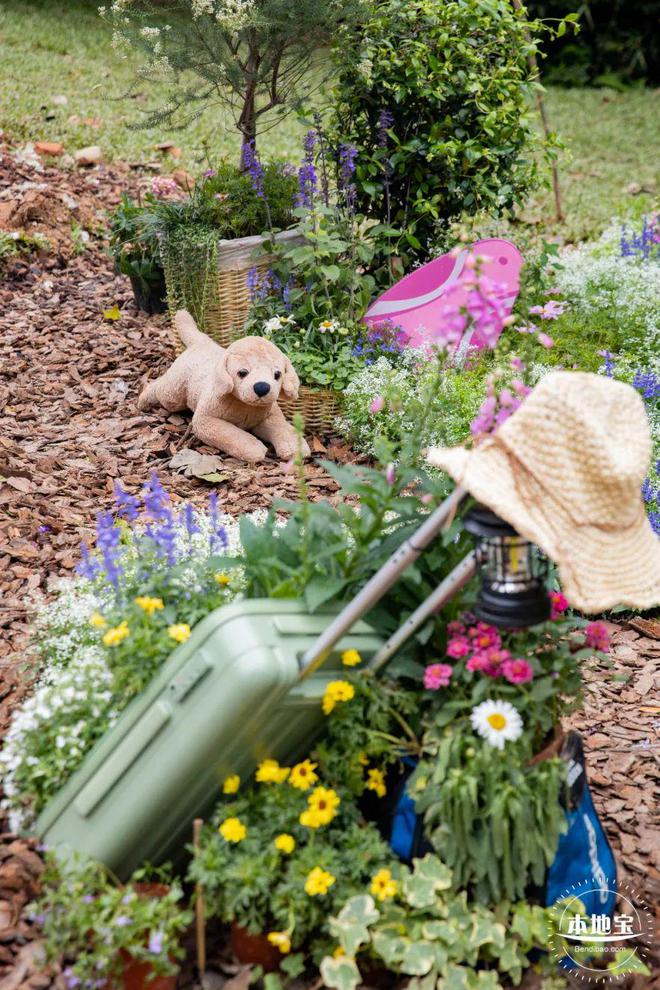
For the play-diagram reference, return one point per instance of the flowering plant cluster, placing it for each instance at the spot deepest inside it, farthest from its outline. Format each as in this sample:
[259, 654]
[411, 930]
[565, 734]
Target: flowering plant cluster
[317, 291]
[431, 933]
[95, 927]
[285, 850]
[138, 594]
[533, 673]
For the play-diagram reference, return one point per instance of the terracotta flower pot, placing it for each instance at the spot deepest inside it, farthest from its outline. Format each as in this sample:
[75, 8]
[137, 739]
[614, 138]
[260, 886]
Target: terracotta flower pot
[254, 950]
[138, 975]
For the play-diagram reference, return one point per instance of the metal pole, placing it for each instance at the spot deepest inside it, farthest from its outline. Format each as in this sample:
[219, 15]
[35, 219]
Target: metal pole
[381, 582]
[445, 591]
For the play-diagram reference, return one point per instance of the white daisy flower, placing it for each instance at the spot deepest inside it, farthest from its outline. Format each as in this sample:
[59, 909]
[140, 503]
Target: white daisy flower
[497, 722]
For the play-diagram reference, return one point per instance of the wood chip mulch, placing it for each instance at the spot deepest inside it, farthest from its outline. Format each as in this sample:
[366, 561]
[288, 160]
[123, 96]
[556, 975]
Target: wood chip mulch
[69, 427]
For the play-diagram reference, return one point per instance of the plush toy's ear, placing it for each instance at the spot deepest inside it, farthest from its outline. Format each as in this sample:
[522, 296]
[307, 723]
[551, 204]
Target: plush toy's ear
[224, 381]
[290, 381]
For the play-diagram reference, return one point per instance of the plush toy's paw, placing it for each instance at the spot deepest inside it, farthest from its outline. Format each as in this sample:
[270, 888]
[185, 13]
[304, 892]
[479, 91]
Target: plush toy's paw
[255, 451]
[145, 399]
[287, 449]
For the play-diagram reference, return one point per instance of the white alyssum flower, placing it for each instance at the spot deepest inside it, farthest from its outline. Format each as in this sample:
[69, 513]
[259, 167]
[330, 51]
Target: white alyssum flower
[497, 722]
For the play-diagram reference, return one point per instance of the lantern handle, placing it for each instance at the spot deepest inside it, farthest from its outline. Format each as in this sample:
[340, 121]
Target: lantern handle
[381, 582]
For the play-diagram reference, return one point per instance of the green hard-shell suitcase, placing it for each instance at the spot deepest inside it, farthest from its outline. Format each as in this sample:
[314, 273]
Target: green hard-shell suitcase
[231, 695]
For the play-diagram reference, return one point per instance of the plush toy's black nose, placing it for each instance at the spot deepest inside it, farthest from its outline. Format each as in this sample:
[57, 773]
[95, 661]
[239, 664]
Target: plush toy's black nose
[261, 388]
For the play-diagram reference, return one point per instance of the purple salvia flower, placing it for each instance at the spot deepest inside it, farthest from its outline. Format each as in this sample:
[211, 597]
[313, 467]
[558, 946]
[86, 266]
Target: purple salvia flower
[609, 363]
[647, 384]
[88, 567]
[347, 157]
[156, 500]
[307, 178]
[218, 541]
[385, 121]
[128, 506]
[648, 492]
[107, 540]
[251, 164]
[252, 283]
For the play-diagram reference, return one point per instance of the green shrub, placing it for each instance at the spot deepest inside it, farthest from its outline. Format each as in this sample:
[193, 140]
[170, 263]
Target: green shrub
[454, 81]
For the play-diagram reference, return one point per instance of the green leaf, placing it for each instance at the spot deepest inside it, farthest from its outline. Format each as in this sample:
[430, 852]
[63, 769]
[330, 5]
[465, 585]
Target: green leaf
[321, 589]
[341, 973]
[351, 926]
[429, 876]
[418, 959]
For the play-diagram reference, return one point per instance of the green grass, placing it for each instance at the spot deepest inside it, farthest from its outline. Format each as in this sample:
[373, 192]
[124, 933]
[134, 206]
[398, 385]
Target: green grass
[52, 47]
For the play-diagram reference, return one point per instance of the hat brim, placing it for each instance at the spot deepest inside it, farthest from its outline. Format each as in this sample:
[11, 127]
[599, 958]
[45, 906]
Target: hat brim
[598, 568]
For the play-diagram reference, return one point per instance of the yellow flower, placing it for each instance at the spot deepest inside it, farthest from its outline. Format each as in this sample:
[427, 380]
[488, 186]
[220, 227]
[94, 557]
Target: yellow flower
[97, 620]
[281, 940]
[383, 886]
[150, 605]
[323, 803]
[270, 772]
[231, 784]
[338, 952]
[302, 775]
[318, 882]
[179, 632]
[362, 758]
[337, 691]
[351, 658]
[376, 782]
[222, 578]
[285, 843]
[114, 636]
[232, 830]
[310, 818]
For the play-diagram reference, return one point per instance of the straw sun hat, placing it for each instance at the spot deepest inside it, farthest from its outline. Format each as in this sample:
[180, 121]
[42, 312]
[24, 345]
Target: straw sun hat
[565, 470]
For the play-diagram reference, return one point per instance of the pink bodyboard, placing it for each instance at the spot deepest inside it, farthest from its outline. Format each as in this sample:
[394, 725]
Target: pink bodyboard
[415, 303]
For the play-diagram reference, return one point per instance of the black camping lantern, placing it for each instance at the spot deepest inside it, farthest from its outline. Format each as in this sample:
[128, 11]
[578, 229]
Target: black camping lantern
[513, 572]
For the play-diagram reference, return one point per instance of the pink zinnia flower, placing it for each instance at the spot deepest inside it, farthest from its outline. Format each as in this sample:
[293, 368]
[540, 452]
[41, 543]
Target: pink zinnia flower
[458, 647]
[484, 636]
[558, 603]
[597, 637]
[481, 663]
[517, 671]
[545, 341]
[437, 675]
[377, 405]
[455, 628]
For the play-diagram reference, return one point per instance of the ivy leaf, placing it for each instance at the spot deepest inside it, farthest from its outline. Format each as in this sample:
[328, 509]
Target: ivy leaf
[112, 314]
[418, 959]
[351, 926]
[340, 974]
[429, 876]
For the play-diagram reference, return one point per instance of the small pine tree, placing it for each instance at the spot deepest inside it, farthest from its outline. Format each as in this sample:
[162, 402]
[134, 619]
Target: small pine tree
[254, 56]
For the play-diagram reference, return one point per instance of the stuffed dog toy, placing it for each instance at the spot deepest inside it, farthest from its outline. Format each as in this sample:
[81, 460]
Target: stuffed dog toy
[232, 392]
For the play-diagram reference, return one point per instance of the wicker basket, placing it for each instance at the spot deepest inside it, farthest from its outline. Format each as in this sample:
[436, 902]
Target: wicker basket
[228, 302]
[319, 407]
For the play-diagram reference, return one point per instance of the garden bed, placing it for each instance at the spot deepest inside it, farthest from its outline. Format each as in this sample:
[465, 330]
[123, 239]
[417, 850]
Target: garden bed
[61, 436]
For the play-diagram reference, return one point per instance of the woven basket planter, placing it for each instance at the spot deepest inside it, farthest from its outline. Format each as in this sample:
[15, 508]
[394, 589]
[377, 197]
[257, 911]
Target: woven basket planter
[225, 302]
[319, 407]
